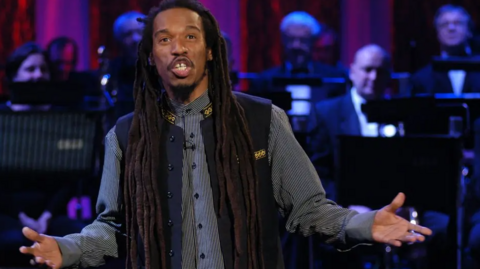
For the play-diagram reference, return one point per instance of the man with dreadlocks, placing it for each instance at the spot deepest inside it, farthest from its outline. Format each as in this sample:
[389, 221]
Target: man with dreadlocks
[193, 178]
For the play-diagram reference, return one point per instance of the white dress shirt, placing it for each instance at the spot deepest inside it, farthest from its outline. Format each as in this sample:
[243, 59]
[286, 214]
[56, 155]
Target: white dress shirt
[367, 128]
[457, 78]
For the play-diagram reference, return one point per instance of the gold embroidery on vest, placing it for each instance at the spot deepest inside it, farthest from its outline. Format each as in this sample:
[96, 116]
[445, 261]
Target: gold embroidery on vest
[168, 116]
[207, 111]
[260, 154]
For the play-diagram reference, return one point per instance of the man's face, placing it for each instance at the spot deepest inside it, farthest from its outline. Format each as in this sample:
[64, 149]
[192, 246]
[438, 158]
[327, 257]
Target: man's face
[179, 48]
[63, 60]
[32, 69]
[297, 41]
[452, 29]
[370, 73]
[131, 34]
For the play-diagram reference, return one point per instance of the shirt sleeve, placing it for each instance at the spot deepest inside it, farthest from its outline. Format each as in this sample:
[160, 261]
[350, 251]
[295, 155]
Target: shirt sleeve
[105, 237]
[300, 196]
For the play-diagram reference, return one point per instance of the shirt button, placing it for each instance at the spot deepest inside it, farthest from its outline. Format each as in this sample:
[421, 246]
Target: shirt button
[170, 223]
[169, 195]
[194, 165]
[192, 135]
[200, 226]
[202, 256]
[171, 253]
[196, 195]
[170, 167]
[172, 138]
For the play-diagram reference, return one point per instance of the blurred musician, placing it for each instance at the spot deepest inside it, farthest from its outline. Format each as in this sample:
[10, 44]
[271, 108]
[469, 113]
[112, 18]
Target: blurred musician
[27, 63]
[62, 53]
[370, 74]
[453, 25]
[128, 33]
[299, 31]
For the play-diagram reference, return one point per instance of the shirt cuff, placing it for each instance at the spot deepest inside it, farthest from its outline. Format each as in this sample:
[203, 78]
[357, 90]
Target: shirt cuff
[359, 228]
[71, 252]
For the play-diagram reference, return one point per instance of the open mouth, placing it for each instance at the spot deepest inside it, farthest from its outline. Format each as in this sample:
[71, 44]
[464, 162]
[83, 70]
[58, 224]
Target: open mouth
[181, 68]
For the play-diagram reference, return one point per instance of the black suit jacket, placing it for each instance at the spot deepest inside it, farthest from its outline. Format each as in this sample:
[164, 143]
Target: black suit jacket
[263, 83]
[327, 120]
[427, 80]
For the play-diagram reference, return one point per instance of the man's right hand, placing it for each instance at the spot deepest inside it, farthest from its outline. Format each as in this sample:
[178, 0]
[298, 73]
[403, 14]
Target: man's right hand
[45, 249]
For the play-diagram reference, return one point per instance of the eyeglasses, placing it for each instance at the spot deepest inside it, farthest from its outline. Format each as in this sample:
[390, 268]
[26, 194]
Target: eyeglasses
[445, 24]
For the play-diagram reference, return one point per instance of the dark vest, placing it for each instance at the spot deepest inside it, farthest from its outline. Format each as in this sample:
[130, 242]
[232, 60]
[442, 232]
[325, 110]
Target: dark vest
[258, 114]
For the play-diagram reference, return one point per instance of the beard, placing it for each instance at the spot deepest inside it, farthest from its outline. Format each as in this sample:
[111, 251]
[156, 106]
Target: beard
[182, 92]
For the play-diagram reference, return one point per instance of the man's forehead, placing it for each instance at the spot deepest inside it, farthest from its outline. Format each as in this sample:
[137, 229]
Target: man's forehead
[296, 29]
[369, 58]
[454, 14]
[176, 17]
[131, 24]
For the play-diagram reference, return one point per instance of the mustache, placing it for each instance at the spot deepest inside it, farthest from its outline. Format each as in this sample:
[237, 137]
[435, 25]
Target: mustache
[180, 58]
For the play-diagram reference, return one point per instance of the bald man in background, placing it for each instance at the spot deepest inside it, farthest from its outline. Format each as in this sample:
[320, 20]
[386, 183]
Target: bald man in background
[370, 75]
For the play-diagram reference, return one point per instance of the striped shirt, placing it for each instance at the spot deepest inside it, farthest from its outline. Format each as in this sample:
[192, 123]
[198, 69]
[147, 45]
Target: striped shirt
[298, 192]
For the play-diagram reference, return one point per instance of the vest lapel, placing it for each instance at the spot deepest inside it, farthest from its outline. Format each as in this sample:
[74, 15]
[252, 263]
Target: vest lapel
[224, 223]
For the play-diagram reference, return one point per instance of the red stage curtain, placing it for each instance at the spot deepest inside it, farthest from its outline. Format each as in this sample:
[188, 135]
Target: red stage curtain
[16, 27]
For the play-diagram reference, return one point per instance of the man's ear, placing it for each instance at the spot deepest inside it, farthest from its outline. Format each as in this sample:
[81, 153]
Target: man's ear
[151, 62]
[209, 55]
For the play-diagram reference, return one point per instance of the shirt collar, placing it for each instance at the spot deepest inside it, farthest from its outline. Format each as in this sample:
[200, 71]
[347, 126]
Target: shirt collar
[357, 100]
[194, 107]
[171, 109]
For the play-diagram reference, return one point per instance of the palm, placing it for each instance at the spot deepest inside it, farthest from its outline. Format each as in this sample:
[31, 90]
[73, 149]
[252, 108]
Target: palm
[45, 249]
[391, 229]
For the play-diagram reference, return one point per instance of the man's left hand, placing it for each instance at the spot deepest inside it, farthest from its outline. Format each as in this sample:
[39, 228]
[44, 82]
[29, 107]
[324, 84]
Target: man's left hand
[388, 228]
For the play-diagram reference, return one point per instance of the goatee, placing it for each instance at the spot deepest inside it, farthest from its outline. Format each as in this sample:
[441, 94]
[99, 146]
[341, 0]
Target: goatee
[182, 92]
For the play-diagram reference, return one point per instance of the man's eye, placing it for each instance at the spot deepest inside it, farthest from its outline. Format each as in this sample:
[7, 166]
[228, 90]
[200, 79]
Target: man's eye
[165, 39]
[191, 37]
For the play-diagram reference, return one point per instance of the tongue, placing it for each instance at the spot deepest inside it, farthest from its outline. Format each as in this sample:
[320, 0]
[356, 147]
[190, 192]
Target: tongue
[181, 73]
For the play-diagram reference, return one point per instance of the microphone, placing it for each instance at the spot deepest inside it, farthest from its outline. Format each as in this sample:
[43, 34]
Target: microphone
[186, 146]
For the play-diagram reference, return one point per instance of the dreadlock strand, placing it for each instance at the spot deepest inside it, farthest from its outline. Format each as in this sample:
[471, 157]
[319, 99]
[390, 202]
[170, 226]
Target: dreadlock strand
[249, 195]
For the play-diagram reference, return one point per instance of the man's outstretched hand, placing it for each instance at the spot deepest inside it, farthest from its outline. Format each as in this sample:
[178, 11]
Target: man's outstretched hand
[45, 249]
[391, 229]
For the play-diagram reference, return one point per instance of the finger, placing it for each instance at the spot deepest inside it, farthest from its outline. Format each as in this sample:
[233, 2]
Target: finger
[32, 235]
[51, 264]
[39, 260]
[419, 229]
[394, 242]
[27, 250]
[396, 203]
[412, 237]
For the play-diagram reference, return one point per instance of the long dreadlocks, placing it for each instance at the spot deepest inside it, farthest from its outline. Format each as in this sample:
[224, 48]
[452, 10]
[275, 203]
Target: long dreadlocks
[234, 156]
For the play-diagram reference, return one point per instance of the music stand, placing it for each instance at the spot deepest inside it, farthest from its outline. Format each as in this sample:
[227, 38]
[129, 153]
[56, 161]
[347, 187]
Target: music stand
[426, 114]
[371, 171]
[469, 64]
[52, 93]
[56, 144]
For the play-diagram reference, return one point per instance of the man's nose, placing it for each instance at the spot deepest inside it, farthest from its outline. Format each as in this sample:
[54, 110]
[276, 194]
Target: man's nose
[178, 47]
[373, 75]
[296, 43]
[37, 74]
